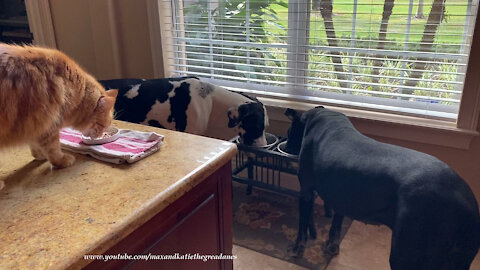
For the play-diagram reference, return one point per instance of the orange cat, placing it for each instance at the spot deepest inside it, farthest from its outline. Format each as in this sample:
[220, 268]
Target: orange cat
[41, 91]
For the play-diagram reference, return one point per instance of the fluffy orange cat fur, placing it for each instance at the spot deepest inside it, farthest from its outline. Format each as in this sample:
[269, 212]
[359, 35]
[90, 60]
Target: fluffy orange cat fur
[43, 90]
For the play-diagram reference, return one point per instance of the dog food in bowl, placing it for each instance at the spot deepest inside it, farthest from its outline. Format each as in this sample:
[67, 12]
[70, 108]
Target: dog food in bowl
[110, 135]
[282, 149]
[271, 140]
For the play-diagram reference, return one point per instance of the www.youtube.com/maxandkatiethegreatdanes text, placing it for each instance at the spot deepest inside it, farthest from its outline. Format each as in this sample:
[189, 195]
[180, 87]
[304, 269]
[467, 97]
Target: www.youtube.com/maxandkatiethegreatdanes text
[146, 257]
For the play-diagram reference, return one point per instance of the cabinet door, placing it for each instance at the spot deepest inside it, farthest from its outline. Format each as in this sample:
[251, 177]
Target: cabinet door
[197, 233]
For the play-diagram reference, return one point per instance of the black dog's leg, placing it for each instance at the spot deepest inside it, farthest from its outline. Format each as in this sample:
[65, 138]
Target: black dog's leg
[328, 209]
[305, 207]
[312, 231]
[333, 243]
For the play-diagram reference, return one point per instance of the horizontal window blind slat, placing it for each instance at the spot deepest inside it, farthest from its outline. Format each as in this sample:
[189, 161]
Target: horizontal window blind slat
[352, 90]
[406, 60]
[247, 47]
[450, 25]
[327, 48]
[444, 112]
[311, 62]
[370, 3]
[230, 34]
[322, 79]
[284, 69]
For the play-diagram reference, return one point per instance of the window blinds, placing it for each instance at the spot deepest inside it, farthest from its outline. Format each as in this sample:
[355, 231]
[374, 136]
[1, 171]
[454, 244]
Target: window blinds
[402, 56]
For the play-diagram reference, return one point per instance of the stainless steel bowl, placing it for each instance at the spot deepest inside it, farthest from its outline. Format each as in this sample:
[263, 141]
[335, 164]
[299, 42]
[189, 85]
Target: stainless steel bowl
[281, 148]
[271, 140]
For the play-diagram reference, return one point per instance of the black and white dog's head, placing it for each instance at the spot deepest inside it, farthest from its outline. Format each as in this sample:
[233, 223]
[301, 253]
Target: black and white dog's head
[250, 120]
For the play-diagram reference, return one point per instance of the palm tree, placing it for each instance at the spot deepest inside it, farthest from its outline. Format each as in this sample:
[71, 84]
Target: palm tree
[434, 19]
[419, 14]
[326, 9]
[382, 36]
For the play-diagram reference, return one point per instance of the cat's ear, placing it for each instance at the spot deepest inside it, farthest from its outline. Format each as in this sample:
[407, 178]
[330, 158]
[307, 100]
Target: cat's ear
[112, 93]
[105, 103]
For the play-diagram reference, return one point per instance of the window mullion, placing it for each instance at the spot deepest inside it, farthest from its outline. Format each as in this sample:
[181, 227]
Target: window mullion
[462, 69]
[247, 36]
[405, 46]
[352, 41]
[297, 42]
[210, 36]
[177, 10]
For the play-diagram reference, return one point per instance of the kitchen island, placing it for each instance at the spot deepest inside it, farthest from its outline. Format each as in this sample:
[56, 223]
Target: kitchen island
[174, 202]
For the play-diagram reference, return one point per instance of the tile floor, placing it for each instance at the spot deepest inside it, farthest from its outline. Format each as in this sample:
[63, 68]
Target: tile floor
[365, 247]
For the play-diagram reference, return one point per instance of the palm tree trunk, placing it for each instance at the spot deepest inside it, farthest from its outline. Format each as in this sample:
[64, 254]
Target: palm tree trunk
[326, 11]
[382, 36]
[419, 14]
[434, 19]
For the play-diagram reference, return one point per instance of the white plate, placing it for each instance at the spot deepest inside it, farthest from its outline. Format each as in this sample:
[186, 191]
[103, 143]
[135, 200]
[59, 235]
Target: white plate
[112, 131]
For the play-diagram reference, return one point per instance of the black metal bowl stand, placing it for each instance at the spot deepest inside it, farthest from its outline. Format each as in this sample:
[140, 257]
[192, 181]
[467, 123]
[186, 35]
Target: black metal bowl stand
[264, 167]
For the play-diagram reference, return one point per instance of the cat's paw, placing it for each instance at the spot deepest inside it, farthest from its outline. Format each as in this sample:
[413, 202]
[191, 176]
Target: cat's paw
[65, 161]
[2, 184]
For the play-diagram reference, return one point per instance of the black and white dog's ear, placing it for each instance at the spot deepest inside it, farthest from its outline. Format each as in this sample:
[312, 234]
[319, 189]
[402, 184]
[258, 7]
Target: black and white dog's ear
[233, 117]
[292, 114]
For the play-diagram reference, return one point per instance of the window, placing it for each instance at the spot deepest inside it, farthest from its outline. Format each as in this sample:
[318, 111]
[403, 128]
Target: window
[402, 56]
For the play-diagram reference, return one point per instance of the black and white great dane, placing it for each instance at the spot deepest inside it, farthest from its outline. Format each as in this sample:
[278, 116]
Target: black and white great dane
[190, 105]
[431, 211]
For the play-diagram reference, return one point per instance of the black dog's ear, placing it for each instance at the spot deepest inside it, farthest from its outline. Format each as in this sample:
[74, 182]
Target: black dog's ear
[291, 114]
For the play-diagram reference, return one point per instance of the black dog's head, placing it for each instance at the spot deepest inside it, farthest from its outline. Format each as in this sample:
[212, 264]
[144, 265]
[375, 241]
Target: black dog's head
[250, 119]
[295, 131]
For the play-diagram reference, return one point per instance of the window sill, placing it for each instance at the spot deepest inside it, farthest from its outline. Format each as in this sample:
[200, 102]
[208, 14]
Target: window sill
[400, 127]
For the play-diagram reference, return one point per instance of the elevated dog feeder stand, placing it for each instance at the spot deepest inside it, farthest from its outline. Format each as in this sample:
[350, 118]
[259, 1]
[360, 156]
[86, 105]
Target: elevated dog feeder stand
[264, 167]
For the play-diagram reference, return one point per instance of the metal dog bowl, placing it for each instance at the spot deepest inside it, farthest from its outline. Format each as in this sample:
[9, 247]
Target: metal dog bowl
[271, 140]
[281, 148]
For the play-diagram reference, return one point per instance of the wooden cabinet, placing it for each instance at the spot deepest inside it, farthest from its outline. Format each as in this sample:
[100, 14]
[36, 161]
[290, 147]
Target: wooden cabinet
[199, 222]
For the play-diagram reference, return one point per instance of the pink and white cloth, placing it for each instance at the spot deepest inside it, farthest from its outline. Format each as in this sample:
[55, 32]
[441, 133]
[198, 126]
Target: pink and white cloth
[130, 146]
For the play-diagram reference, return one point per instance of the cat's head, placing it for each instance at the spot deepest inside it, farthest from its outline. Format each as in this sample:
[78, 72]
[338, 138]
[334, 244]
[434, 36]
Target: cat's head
[102, 116]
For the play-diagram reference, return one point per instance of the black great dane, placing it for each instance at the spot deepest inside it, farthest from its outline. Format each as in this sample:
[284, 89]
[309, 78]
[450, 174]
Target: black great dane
[190, 105]
[431, 211]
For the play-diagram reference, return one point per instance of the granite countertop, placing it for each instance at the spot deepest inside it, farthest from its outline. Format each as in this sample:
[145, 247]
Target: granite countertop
[51, 218]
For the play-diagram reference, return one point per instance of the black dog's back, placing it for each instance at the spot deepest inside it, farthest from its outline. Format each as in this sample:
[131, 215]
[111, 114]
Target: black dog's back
[338, 151]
